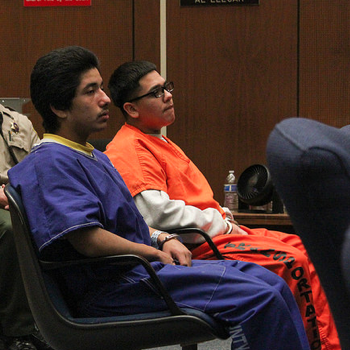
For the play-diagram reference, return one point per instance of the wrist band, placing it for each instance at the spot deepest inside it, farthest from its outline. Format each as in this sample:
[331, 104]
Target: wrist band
[230, 227]
[154, 238]
[168, 238]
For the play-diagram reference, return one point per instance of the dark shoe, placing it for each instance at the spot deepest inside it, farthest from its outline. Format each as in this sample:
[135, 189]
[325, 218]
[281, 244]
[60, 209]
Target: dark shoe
[39, 341]
[20, 343]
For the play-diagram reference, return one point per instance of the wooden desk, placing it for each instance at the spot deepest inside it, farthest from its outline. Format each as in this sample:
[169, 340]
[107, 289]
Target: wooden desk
[278, 222]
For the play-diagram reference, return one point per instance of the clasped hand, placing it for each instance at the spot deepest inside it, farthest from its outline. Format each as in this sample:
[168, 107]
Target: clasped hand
[177, 252]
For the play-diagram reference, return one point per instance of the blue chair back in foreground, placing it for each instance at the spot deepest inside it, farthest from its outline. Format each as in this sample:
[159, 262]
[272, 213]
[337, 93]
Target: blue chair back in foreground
[310, 166]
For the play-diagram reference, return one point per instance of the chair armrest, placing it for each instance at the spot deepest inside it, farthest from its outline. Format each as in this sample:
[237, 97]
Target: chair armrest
[188, 230]
[124, 260]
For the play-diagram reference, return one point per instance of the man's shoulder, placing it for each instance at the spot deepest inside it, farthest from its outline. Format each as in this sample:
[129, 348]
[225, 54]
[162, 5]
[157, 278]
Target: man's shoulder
[127, 133]
[49, 152]
[20, 127]
[47, 157]
[10, 115]
[124, 141]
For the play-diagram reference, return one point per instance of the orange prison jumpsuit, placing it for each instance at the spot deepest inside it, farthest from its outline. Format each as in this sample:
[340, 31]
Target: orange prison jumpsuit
[148, 163]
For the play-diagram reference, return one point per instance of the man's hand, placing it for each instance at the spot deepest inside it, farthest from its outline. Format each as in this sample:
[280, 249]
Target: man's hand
[178, 252]
[159, 255]
[236, 230]
[230, 220]
[3, 199]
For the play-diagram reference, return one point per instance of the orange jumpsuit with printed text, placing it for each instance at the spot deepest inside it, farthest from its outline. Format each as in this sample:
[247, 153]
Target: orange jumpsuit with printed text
[149, 163]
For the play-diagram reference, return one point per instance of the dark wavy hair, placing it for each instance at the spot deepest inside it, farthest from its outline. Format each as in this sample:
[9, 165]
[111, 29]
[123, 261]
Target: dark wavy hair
[124, 82]
[55, 79]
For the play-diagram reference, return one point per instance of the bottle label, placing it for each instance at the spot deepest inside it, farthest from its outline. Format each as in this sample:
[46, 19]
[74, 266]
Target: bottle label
[230, 188]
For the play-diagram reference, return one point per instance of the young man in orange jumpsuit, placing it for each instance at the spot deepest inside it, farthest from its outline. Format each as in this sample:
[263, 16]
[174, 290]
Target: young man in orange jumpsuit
[171, 192]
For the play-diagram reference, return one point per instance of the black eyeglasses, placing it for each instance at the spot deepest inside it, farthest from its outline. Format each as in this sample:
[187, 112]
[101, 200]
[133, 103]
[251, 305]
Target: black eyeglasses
[157, 92]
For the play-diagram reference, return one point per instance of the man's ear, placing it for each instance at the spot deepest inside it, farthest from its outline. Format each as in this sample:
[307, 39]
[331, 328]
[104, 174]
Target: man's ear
[131, 109]
[59, 113]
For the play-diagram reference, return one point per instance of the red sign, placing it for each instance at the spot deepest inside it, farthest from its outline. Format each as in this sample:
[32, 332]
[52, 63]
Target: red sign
[29, 3]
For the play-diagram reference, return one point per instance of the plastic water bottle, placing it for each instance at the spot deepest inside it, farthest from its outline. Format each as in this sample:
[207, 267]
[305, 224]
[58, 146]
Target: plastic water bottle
[230, 192]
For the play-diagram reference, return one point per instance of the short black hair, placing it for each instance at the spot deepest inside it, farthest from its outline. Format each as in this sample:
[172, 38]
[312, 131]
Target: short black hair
[55, 79]
[124, 82]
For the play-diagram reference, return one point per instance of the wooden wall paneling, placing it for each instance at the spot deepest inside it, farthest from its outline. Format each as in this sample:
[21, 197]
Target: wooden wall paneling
[28, 33]
[325, 61]
[146, 35]
[147, 31]
[235, 74]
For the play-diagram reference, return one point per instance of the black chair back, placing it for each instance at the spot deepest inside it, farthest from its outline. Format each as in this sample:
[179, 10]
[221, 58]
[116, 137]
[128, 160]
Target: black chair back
[63, 331]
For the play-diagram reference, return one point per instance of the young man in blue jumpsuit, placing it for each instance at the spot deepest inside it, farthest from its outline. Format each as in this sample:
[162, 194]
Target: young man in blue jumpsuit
[78, 204]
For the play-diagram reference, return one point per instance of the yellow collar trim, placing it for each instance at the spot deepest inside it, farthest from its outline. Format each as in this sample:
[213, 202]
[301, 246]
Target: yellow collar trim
[87, 149]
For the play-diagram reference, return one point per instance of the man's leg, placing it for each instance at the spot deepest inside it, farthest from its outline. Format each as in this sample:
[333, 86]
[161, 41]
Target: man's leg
[256, 305]
[285, 255]
[15, 316]
[16, 320]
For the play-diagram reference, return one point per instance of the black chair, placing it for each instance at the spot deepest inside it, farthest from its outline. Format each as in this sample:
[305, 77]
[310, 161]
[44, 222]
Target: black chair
[100, 144]
[193, 230]
[63, 331]
[310, 166]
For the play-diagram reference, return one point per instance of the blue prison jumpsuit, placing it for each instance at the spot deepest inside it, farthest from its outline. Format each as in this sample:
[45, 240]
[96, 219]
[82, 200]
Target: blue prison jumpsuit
[65, 188]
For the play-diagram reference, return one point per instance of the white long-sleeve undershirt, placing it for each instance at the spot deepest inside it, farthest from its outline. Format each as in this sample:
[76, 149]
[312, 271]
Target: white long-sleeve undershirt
[163, 213]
